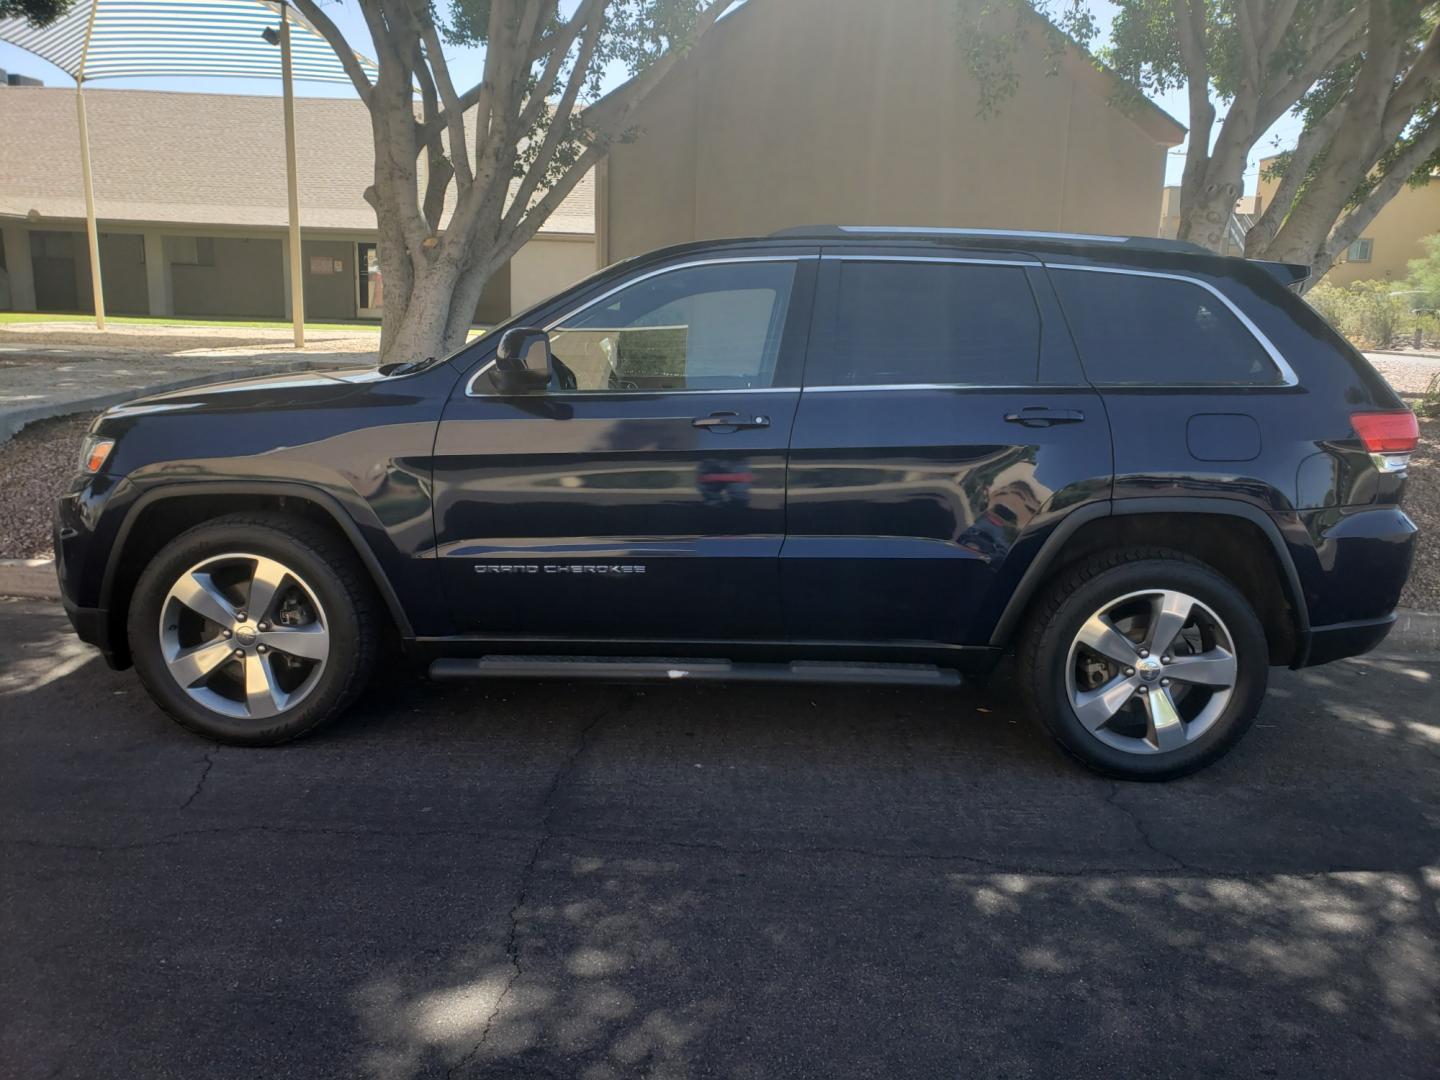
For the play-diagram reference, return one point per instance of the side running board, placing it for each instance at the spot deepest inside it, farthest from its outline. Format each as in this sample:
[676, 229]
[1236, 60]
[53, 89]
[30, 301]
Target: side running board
[651, 669]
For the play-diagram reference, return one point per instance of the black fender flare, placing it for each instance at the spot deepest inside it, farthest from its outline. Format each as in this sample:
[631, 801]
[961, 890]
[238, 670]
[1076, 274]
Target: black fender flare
[1051, 551]
[317, 497]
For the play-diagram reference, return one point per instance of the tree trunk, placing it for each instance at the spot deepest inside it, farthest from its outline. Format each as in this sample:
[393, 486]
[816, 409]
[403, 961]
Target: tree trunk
[1360, 139]
[421, 330]
[1205, 215]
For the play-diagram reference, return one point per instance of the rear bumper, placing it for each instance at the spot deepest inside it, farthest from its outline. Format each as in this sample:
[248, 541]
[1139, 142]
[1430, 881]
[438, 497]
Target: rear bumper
[1339, 640]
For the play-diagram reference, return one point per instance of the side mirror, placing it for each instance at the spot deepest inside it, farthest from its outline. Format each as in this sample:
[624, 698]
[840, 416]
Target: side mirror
[523, 363]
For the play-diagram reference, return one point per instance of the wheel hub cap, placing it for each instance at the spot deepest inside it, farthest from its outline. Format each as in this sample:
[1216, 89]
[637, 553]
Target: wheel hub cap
[244, 636]
[1151, 671]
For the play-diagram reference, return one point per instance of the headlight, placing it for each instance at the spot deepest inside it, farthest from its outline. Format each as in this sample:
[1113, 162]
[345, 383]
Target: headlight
[94, 452]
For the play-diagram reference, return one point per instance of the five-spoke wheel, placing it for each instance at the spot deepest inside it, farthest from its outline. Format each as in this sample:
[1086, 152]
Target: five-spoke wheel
[1151, 671]
[244, 635]
[1144, 664]
[253, 629]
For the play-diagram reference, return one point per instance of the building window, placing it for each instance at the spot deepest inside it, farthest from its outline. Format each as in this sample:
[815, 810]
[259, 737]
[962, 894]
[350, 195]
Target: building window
[1360, 250]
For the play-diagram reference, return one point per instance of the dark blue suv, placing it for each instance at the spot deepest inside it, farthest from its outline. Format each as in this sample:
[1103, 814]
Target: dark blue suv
[836, 454]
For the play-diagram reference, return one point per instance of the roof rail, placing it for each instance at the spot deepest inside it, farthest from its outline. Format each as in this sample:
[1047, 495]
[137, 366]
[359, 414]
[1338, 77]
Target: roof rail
[1148, 243]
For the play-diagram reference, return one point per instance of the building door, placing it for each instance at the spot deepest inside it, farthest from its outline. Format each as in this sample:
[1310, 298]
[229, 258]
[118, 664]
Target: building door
[943, 425]
[52, 257]
[369, 285]
[648, 500]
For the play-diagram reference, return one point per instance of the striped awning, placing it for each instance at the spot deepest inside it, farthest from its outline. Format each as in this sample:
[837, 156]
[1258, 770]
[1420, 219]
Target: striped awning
[215, 38]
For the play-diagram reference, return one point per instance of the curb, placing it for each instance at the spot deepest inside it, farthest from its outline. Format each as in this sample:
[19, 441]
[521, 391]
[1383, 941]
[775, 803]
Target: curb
[1415, 635]
[12, 421]
[31, 579]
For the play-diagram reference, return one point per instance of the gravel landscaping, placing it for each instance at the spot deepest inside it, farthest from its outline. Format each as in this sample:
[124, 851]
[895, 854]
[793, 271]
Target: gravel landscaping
[35, 465]
[34, 468]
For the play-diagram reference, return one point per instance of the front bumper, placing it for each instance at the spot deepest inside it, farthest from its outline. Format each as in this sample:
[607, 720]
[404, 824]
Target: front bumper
[92, 626]
[84, 537]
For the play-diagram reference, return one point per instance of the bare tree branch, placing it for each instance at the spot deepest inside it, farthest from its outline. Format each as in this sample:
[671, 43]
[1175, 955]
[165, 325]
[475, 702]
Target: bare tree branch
[455, 115]
[346, 55]
[1312, 141]
[559, 127]
[1339, 41]
[1349, 228]
[559, 50]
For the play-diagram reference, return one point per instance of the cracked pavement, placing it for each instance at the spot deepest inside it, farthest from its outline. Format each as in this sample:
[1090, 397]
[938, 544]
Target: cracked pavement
[550, 880]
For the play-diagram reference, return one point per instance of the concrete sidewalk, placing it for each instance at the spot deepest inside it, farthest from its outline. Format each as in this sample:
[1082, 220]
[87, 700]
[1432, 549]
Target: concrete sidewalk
[36, 385]
[55, 369]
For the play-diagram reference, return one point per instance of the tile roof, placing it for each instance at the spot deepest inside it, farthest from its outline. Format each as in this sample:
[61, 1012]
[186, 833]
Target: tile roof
[200, 159]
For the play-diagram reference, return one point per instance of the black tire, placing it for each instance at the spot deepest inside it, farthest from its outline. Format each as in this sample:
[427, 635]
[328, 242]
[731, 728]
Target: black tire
[1087, 588]
[331, 571]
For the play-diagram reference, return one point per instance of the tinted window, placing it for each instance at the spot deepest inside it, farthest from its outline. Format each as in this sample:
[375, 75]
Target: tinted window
[694, 328]
[899, 322]
[1158, 331]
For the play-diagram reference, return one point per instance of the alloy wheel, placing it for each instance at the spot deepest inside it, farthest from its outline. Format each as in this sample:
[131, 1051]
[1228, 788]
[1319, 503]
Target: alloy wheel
[244, 635]
[1151, 672]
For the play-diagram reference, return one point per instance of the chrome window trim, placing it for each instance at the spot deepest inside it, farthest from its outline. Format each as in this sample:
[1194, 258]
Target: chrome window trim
[1033, 264]
[850, 389]
[1029, 234]
[669, 268]
[1287, 373]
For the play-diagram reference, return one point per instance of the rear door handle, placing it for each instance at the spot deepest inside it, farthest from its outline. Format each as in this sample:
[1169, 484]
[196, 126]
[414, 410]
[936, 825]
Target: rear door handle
[723, 422]
[1039, 416]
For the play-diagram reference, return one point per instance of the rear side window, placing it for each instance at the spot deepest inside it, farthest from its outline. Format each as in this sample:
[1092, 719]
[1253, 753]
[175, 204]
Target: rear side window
[903, 323]
[1156, 331]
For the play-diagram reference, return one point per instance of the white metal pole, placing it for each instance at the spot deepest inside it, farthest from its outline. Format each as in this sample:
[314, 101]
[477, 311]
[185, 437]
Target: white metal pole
[96, 287]
[297, 281]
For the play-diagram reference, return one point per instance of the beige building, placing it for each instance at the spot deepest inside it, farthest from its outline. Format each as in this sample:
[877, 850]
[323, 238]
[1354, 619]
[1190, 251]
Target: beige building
[848, 111]
[1391, 240]
[191, 200]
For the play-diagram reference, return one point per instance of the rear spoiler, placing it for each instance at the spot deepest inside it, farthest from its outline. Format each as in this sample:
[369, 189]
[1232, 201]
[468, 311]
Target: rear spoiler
[1291, 275]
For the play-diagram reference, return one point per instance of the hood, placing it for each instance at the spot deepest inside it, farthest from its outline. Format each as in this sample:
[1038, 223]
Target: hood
[293, 390]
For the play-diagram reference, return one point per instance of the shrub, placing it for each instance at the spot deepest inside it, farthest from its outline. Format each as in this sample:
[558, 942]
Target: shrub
[1364, 311]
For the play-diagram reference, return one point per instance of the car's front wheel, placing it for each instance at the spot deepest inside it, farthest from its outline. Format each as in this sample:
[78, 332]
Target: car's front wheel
[253, 629]
[1145, 665]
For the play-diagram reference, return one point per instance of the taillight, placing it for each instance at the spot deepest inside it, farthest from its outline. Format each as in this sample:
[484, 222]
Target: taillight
[1389, 436]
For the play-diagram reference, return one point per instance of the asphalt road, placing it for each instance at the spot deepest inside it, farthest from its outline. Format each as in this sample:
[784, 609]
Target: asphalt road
[541, 880]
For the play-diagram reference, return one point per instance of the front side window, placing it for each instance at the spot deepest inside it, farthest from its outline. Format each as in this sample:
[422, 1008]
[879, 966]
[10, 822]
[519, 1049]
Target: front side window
[1157, 331]
[708, 327]
[900, 323]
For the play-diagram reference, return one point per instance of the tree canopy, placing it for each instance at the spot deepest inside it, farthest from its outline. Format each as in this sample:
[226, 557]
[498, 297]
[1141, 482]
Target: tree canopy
[39, 12]
[1360, 73]
[511, 147]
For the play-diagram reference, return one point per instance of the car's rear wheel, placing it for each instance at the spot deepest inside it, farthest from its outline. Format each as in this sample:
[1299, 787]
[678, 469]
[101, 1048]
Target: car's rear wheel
[1144, 665]
[253, 630]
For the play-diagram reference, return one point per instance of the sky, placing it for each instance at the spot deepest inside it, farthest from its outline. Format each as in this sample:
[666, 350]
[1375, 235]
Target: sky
[465, 66]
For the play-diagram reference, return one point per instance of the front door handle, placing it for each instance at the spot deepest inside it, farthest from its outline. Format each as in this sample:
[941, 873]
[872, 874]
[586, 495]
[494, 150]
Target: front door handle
[722, 422]
[1039, 416]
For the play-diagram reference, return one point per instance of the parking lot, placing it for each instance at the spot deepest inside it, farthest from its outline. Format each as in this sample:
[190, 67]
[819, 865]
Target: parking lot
[547, 880]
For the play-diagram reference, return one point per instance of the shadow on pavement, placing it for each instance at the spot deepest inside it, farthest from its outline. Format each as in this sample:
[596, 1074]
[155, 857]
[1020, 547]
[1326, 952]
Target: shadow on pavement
[537, 880]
